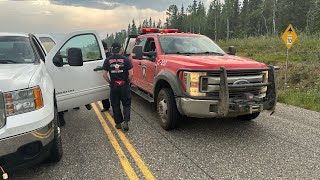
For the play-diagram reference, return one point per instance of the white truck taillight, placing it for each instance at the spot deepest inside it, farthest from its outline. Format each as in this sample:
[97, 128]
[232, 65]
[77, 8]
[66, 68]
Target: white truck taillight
[2, 111]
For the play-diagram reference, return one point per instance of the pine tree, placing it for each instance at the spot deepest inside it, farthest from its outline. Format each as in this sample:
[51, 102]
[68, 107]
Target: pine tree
[139, 28]
[293, 12]
[235, 17]
[150, 22]
[201, 16]
[267, 16]
[159, 23]
[244, 19]
[134, 27]
[172, 12]
[129, 29]
[255, 17]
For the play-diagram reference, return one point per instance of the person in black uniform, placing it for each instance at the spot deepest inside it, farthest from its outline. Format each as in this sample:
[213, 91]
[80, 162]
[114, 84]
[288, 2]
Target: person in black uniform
[120, 71]
[105, 102]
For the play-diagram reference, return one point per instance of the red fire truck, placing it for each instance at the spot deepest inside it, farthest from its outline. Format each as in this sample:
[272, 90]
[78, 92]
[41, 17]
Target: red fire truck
[187, 74]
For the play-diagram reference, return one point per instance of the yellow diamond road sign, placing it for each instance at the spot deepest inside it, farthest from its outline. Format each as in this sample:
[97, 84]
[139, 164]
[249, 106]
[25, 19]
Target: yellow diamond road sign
[289, 36]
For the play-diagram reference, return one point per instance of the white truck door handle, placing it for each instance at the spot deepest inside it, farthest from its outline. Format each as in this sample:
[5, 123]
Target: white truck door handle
[98, 68]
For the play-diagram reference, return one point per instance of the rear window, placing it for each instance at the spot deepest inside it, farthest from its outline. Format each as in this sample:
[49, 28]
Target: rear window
[48, 43]
[16, 50]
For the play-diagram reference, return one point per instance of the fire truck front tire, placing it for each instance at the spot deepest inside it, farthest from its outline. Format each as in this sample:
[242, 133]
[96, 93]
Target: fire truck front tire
[167, 109]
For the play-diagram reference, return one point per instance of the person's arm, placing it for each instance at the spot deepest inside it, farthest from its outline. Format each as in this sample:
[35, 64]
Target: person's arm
[106, 69]
[130, 69]
[105, 76]
[130, 74]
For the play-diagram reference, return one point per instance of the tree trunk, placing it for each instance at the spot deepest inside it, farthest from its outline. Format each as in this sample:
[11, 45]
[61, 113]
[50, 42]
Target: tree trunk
[215, 28]
[274, 17]
[265, 24]
[228, 32]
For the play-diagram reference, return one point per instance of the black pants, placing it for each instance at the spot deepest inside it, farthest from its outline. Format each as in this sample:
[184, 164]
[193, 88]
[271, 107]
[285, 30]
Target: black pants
[123, 95]
[106, 104]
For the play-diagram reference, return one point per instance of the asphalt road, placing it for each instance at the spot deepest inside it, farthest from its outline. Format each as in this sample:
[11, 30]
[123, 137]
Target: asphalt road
[283, 146]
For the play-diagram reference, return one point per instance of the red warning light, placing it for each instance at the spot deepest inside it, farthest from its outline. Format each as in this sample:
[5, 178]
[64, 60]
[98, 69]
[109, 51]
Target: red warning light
[170, 30]
[149, 30]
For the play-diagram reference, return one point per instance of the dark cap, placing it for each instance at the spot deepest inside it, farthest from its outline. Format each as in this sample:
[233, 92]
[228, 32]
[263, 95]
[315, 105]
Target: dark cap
[116, 46]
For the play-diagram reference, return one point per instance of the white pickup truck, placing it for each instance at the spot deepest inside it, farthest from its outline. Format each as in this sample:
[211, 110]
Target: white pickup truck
[35, 86]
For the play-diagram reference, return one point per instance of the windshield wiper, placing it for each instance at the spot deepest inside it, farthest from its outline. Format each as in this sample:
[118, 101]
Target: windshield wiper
[211, 52]
[2, 61]
[182, 53]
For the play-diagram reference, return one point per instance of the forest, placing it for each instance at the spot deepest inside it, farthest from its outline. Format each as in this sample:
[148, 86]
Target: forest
[227, 19]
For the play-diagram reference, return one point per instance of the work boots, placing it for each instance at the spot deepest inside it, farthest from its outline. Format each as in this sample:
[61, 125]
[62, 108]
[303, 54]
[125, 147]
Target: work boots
[118, 126]
[125, 125]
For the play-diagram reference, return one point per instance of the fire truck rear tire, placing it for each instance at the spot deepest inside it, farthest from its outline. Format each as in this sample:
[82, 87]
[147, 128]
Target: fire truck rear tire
[249, 117]
[167, 109]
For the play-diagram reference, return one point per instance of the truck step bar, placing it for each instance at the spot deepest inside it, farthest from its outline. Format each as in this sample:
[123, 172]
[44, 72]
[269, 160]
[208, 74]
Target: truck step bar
[142, 94]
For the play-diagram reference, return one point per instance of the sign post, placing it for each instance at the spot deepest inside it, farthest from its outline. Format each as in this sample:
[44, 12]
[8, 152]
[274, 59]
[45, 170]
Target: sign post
[289, 37]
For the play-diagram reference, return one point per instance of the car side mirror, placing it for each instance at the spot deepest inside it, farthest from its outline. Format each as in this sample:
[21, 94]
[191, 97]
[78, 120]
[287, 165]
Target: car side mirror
[152, 55]
[232, 50]
[74, 57]
[137, 52]
[57, 60]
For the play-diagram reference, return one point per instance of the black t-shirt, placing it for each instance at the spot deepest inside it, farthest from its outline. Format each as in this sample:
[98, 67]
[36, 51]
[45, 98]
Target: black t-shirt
[118, 67]
[108, 54]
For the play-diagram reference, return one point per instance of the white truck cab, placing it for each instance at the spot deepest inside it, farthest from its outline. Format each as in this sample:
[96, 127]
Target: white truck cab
[35, 86]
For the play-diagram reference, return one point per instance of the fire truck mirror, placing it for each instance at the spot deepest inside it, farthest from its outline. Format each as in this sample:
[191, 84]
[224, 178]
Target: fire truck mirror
[137, 52]
[232, 50]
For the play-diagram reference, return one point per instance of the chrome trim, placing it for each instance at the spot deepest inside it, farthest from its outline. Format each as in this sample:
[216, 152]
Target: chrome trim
[196, 108]
[231, 80]
[11, 144]
[2, 111]
[214, 82]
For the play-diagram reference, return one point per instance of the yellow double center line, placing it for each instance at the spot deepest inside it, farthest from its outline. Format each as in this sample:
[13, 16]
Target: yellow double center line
[121, 155]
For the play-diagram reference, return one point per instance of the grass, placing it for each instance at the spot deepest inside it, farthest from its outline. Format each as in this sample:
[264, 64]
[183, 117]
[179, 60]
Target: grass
[303, 86]
[302, 99]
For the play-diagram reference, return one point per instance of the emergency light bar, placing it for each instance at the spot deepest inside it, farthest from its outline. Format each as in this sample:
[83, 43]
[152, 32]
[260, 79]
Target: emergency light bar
[150, 30]
[170, 30]
[156, 30]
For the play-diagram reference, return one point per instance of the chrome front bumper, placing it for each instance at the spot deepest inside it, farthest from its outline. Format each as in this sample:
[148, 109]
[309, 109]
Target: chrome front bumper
[16, 143]
[230, 107]
[196, 108]
[210, 108]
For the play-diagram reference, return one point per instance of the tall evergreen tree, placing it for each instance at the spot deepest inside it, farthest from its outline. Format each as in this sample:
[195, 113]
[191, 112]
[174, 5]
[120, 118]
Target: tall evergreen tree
[159, 24]
[201, 17]
[134, 27]
[293, 12]
[150, 22]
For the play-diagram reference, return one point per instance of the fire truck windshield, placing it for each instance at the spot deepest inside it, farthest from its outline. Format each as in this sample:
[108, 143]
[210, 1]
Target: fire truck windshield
[189, 45]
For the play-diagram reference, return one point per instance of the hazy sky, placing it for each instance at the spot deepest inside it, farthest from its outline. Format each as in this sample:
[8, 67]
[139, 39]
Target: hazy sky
[61, 16]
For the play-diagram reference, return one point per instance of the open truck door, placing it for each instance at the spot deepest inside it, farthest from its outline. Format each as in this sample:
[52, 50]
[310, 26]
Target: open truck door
[75, 67]
[129, 44]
